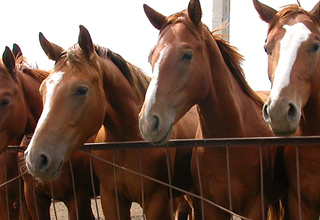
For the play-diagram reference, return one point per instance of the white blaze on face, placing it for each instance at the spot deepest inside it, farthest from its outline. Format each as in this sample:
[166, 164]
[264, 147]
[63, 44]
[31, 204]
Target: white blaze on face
[150, 98]
[289, 45]
[51, 85]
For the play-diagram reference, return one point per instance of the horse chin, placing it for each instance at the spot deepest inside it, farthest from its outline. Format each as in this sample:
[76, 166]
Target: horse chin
[284, 133]
[49, 175]
[165, 138]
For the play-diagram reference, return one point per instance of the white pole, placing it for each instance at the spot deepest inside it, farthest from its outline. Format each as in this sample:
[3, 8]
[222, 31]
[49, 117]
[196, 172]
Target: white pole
[220, 15]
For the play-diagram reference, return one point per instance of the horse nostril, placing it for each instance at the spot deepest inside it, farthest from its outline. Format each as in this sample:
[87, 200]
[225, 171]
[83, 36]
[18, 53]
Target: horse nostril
[265, 112]
[156, 123]
[292, 112]
[43, 162]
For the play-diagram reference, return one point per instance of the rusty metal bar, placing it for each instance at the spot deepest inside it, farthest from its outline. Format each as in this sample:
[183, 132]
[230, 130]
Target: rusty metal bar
[216, 142]
[298, 180]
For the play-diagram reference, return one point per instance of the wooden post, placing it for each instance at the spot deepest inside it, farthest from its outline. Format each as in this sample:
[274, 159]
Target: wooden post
[220, 15]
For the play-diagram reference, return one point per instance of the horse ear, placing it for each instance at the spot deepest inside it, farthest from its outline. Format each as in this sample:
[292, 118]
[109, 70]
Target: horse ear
[156, 19]
[266, 13]
[52, 50]
[85, 42]
[16, 50]
[195, 12]
[316, 11]
[9, 61]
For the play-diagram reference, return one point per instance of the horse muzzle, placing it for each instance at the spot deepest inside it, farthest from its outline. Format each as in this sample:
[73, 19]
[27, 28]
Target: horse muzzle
[282, 116]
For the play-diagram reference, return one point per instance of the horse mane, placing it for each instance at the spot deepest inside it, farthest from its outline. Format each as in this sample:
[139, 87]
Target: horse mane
[229, 53]
[291, 10]
[136, 77]
[23, 66]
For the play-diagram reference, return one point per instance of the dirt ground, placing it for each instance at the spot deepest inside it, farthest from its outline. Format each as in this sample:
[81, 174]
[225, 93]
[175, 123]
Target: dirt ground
[61, 212]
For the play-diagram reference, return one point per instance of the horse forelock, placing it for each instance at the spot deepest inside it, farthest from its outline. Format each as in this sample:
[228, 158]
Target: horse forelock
[182, 17]
[75, 59]
[288, 11]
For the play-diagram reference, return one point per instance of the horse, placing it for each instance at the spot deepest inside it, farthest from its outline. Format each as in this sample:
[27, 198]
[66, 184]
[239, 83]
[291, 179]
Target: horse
[20, 107]
[192, 66]
[75, 187]
[89, 87]
[292, 46]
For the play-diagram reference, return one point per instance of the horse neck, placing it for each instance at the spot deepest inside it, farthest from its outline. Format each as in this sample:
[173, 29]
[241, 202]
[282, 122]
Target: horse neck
[121, 119]
[30, 87]
[227, 110]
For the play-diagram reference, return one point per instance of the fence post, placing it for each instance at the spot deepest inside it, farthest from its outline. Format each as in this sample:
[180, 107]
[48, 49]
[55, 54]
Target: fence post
[220, 15]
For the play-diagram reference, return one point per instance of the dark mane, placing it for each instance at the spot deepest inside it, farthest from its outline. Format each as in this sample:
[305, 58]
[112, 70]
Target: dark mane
[291, 10]
[233, 60]
[230, 55]
[136, 77]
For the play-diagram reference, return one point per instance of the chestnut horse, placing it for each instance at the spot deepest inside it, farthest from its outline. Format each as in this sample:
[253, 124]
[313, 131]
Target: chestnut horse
[89, 87]
[192, 66]
[20, 108]
[292, 45]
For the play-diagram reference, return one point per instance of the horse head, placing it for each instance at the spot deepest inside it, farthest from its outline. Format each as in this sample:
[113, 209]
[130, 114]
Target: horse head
[179, 67]
[13, 114]
[73, 106]
[292, 46]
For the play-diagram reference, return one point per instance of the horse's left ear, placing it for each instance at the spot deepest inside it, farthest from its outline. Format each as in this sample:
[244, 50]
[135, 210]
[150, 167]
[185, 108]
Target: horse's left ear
[195, 12]
[85, 42]
[266, 13]
[157, 19]
[16, 50]
[9, 61]
[316, 11]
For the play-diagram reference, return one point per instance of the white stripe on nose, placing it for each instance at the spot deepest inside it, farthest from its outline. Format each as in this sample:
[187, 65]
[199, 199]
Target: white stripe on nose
[289, 45]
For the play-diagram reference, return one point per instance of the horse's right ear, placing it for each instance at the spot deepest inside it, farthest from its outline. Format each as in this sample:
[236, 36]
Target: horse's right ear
[52, 50]
[266, 13]
[156, 19]
[9, 61]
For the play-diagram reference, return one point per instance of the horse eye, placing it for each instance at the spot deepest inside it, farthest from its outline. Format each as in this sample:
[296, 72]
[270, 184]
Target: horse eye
[82, 91]
[315, 48]
[187, 56]
[5, 102]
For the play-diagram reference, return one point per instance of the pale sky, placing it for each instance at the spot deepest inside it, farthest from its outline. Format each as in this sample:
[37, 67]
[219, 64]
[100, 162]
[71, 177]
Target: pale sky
[123, 27]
